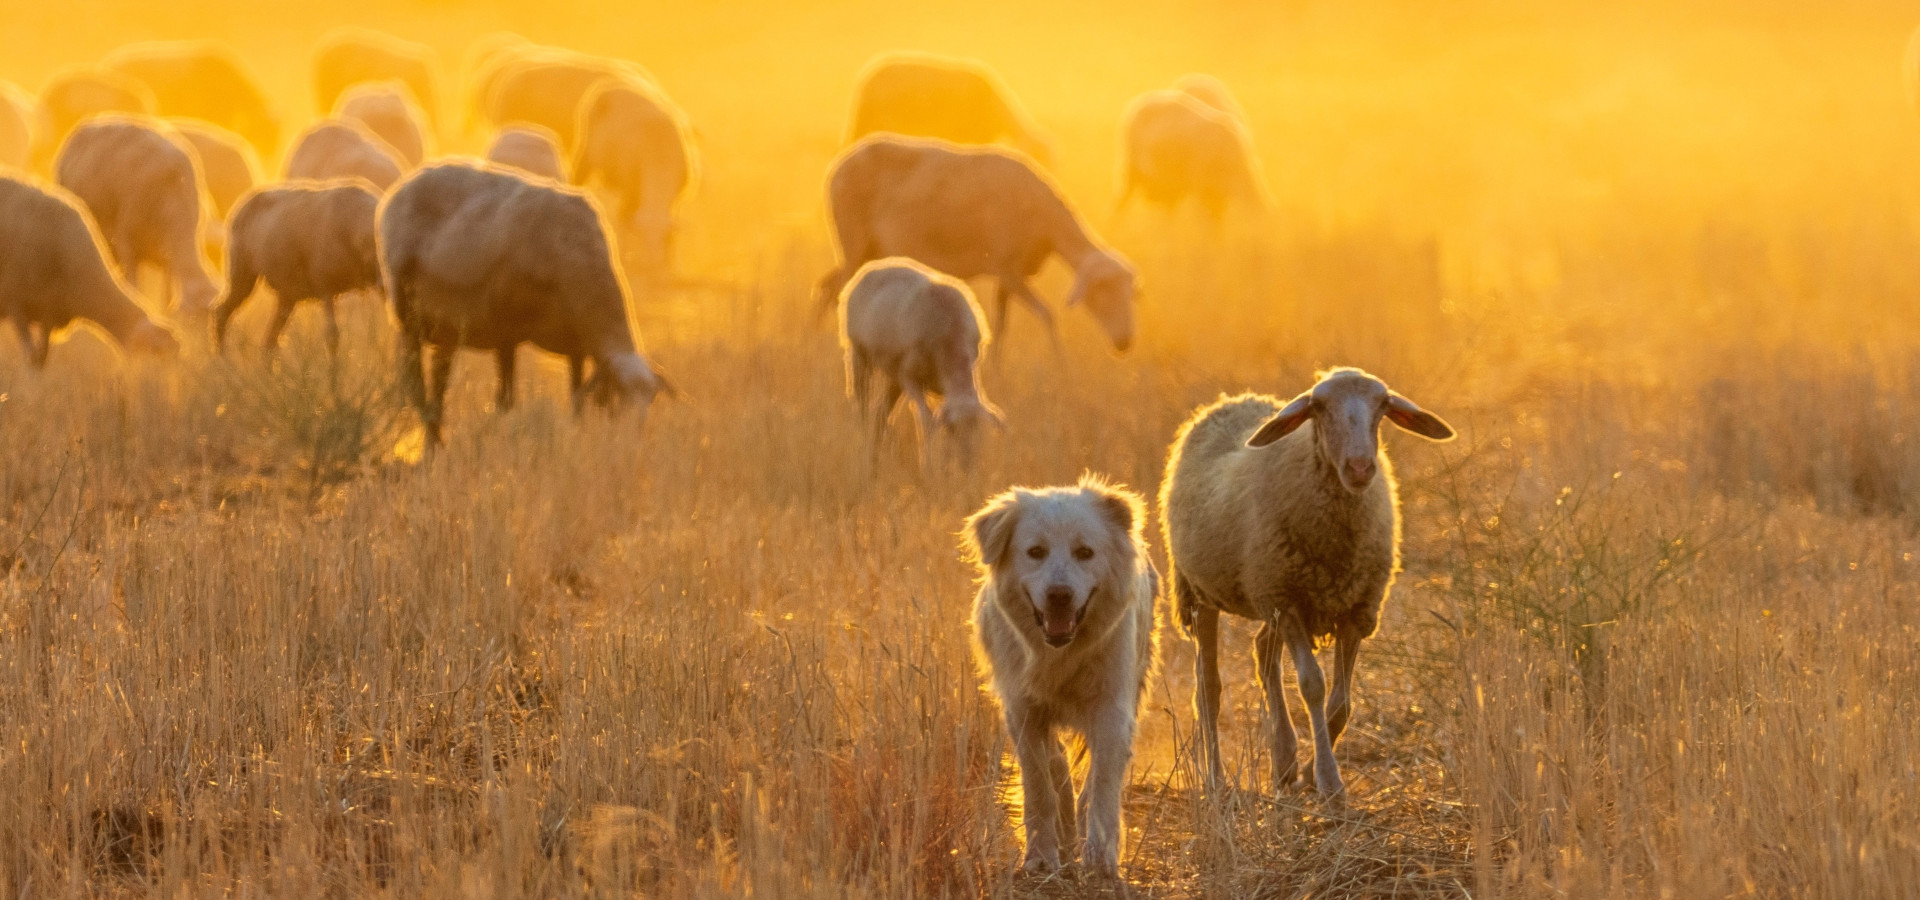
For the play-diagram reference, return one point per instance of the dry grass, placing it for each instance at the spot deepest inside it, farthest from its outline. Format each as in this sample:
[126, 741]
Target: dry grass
[1656, 636]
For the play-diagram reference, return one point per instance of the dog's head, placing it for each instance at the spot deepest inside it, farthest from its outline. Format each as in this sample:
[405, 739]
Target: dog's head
[1059, 556]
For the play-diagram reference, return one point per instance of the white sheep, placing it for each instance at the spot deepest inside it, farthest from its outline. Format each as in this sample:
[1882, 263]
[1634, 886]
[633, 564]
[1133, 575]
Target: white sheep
[923, 333]
[1288, 514]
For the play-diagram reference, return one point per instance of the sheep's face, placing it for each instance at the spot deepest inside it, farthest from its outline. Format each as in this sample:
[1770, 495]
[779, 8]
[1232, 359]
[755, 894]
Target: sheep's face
[967, 420]
[1106, 284]
[1058, 553]
[627, 380]
[1346, 408]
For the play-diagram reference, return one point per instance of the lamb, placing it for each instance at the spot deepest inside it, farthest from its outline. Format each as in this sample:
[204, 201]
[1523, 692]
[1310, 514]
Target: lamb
[77, 95]
[339, 148]
[1065, 629]
[530, 149]
[387, 112]
[546, 87]
[142, 184]
[633, 145]
[922, 332]
[16, 126]
[346, 57]
[959, 100]
[1295, 526]
[474, 256]
[1177, 148]
[308, 241]
[969, 212]
[202, 80]
[53, 270]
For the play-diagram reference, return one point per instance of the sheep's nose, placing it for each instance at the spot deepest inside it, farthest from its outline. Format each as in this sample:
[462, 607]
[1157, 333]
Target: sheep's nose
[1122, 345]
[1360, 471]
[1059, 595]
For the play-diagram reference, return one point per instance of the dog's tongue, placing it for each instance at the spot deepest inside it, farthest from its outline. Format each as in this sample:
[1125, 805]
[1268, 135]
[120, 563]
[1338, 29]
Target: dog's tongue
[1059, 621]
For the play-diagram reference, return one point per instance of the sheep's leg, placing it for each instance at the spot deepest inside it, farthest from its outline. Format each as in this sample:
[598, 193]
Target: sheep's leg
[1206, 688]
[922, 417]
[1346, 649]
[40, 345]
[36, 346]
[882, 411]
[576, 380]
[1040, 310]
[1036, 750]
[504, 358]
[1313, 689]
[242, 280]
[1110, 744]
[410, 370]
[441, 372]
[1269, 647]
[826, 293]
[282, 312]
[330, 305]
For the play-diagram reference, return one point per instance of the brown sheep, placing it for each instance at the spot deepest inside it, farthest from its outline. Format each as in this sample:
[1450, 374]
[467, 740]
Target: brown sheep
[958, 100]
[77, 95]
[531, 149]
[970, 212]
[16, 126]
[346, 57]
[386, 111]
[1176, 148]
[545, 87]
[339, 148]
[53, 270]
[202, 80]
[475, 256]
[635, 149]
[142, 183]
[307, 241]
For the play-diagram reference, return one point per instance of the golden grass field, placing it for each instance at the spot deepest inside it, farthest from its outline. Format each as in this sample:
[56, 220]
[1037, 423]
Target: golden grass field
[1656, 636]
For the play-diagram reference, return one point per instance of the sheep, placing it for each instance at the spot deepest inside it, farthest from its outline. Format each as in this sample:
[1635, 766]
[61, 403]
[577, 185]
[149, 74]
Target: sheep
[1295, 526]
[959, 100]
[16, 126]
[227, 162]
[340, 148]
[545, 87]
[308, 241]
[969, 212]
[202, 80]
[475, 256]
[922, 331]
[530, 149]
[387, 112]
[346, 57]
[1065, 630]
[140, 180]
[53, 270]
[633, 145]
[1175, 148]
[77, 95]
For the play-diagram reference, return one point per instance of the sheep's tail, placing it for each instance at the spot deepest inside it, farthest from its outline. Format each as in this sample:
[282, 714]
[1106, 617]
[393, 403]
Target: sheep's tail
[1186, 607]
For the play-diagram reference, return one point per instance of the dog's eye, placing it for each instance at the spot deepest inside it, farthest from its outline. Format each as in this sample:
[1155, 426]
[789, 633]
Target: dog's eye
[1037, 552]
[1083, 553]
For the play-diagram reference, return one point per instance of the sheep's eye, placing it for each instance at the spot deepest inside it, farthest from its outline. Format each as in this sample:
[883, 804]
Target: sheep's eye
[1083, 553]
[1037, 552]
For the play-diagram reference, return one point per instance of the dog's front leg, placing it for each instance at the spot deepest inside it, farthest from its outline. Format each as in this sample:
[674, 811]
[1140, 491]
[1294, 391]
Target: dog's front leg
[1032, 733]
[1110, 744]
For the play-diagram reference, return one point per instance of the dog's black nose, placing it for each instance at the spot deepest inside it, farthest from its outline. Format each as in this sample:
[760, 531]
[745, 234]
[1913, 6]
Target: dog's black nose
[1058, 595]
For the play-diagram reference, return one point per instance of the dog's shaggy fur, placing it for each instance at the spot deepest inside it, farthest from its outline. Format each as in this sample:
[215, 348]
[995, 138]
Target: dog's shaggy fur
[1065, 628]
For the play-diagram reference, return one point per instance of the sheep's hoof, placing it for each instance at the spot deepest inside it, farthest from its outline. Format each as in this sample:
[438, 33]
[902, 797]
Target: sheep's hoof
[1040, 865]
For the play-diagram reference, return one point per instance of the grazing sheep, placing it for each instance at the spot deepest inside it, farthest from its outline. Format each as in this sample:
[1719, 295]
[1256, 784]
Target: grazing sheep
[633, 146]
[545, 87]
[531, 149]
[227, 163]
[16, 126]
[202, 80]
[959, 100]
[340, 148]
[1211, 91]
[923, 333]
[142, 183]
[1287, 513]
[77, 95]
[308, 241]
[969, 212]
[346, 57]
[1176, 148]
[387, 112]
[475, 256]
[53, 270]
[1064, 626]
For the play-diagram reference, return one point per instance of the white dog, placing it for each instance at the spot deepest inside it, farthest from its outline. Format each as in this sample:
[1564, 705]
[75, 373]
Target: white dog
[1065, 627]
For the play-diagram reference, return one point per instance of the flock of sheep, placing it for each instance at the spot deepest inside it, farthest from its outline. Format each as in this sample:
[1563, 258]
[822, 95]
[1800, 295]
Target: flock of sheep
[1282, 511]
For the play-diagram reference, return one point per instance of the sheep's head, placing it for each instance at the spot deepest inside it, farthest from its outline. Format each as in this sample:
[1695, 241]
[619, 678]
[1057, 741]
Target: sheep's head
[966, 419]
[1106, 284]
[627, 379]
[150, 338]
[1346, 407]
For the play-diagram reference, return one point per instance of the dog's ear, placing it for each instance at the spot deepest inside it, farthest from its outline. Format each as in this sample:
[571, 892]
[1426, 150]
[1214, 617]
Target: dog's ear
[1123, 509]
[988, 534]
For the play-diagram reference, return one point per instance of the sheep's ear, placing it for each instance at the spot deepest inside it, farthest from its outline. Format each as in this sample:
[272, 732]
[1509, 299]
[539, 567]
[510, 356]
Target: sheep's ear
[1408, 415]
[1284, 422]
[988, 534]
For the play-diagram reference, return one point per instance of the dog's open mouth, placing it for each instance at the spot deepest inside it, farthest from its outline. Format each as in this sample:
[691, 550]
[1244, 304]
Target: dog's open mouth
[1058, 626]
